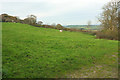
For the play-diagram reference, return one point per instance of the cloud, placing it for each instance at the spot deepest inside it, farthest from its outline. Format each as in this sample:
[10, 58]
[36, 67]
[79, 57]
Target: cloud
[65, 6]
[55, 9]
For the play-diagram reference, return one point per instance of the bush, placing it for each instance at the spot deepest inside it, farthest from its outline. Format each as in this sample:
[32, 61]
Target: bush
[108, 34]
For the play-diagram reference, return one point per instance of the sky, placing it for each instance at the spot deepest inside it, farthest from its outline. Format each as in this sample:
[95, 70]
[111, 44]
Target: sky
[65, 12]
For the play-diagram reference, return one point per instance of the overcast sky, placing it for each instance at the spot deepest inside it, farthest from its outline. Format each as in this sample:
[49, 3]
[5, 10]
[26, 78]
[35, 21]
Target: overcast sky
[64, 12]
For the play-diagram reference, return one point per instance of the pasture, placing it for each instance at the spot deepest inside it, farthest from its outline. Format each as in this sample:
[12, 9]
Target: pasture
[33, 52]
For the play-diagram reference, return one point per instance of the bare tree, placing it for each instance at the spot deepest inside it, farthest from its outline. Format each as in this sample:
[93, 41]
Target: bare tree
[109, 21]
[54, 25]
[108, 18]
[119, 14]
[31, 19]
[88, 24]
[40, 22]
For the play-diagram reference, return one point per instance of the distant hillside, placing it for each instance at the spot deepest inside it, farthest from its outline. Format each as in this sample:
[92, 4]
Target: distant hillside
[92, 27]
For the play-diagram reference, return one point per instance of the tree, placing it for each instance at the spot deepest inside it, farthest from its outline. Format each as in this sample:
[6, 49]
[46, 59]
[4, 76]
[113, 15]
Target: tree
[108, 18]
[88, 24]
[59, 26]
[8, 18]
[119, 13]
[40, 22]
[54, 25]
[31, 19]
[109, 21]
[17, 19]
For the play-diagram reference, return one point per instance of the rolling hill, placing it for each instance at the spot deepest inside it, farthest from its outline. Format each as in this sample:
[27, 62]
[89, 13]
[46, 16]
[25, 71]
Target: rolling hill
[92, 27]
[33, 52]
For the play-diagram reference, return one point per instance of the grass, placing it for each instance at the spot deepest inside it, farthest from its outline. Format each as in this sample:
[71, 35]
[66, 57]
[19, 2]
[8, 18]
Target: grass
[32, 52]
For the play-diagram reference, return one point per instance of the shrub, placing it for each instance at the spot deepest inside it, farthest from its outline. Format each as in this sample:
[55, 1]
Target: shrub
[108, 34]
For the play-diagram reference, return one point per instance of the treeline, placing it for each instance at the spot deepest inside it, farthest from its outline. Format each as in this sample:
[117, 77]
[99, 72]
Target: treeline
[32, 20]
[8, 18]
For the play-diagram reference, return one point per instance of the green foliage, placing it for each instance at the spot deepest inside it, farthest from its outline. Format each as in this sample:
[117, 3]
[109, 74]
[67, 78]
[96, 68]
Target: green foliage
[32, 52]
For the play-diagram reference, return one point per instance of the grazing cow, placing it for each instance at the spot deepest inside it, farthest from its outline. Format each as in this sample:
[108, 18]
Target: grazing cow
[60, 30]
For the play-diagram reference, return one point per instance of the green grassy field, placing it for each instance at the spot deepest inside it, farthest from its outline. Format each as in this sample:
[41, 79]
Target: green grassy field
[32, 52]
